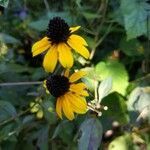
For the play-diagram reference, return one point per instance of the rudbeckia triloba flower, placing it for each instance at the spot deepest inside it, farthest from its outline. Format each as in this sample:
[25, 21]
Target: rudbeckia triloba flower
[57, 43]
[70, 95]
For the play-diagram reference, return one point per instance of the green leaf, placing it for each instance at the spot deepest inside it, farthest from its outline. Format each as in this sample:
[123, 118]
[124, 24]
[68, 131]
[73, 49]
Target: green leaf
[139, 100]
[104, 88]
[4, 3]
[39, 25]
[121, 143]
[42, 23]
[7, 110]
[117, 109]
[116, 71]
[135, 17]
[8, 39]
[131, 47]
[91, 134]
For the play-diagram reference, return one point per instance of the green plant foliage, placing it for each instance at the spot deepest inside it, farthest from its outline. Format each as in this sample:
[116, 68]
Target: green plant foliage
[91, 134]
[4, 3]
[121, 143]
[135, 17]
[117, 117]
[116, 71]
[116, 107]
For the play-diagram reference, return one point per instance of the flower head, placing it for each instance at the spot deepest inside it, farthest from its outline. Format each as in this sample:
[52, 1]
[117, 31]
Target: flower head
[70, 95]
[57, 43]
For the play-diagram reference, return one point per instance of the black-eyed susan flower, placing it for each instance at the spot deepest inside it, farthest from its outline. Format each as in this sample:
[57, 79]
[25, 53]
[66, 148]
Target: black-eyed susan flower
[69, 94]
[57, 43]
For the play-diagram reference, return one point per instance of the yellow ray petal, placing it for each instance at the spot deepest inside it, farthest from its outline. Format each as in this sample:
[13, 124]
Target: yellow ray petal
[40, 46]
[66, 74]
[81, 49]
[73, 29]
[76, 76]
[78, 39]
[79, 89]
[65, 55]
[67, 108]
[78, 103]
[50, 59]
[59, 107]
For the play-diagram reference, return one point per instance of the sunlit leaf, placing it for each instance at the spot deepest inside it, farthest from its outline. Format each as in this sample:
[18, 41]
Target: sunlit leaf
[117, 72]
[121, 143]
[104, 88]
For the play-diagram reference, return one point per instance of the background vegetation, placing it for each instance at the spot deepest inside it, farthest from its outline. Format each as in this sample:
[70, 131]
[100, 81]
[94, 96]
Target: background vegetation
[118, 34]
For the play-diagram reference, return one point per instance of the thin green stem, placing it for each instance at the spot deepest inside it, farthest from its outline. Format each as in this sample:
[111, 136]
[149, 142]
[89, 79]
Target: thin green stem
[20, 83]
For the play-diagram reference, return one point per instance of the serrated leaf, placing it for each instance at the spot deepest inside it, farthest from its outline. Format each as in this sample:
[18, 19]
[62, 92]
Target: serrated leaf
[116, 71]
[4, 3]
[135, 17]
[104, 88]
[91, 134]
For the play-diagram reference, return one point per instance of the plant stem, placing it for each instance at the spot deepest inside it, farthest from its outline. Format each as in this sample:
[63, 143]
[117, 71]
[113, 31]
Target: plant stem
[20, 83]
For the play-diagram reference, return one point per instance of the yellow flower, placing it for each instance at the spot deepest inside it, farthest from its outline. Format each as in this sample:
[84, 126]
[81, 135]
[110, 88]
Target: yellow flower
[70, 95]
[58, 43]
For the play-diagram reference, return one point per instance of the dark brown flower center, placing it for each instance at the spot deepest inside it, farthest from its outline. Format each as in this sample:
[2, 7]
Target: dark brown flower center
[58, 30]
[57, 85]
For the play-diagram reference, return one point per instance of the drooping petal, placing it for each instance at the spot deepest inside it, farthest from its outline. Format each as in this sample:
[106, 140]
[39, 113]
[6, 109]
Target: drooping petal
[50, 59]
[40, 46]
[78, 39]
[78, 103]
[59, 107]
[76, 76]
[65, 55]
[66, 74]
[73, 29]
[79, 89]
[67, 108]
[81, 49]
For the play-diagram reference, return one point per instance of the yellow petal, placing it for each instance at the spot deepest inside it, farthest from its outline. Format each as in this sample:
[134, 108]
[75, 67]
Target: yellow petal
[59, 107]
[78, 104]
[66, 74]
[79, 48]
[73, 29]
[78, 39]
[40, 46]
[40, 114]
[50, 59]
[79, 89]
[67, 108]
[76, 76]
[65, 55]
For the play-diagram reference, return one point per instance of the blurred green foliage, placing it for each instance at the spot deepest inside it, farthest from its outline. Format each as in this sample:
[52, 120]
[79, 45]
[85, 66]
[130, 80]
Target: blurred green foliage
[118, 34]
